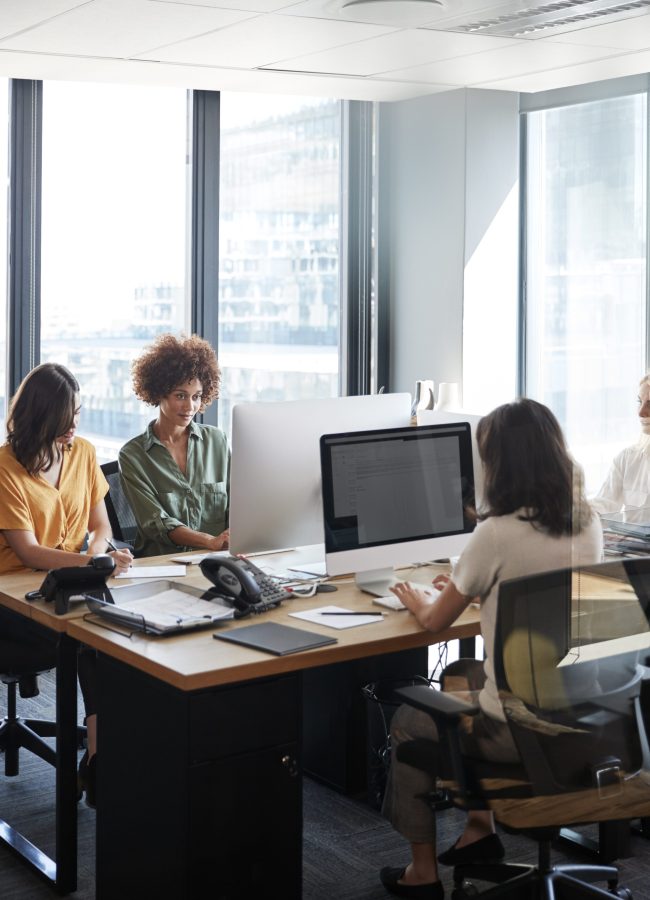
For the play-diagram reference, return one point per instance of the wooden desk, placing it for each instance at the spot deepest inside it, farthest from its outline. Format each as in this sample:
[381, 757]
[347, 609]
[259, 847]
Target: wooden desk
[199, 777]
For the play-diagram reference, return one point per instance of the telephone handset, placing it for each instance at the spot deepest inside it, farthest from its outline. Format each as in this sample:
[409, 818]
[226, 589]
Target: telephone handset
[61, 584]
[246, 586]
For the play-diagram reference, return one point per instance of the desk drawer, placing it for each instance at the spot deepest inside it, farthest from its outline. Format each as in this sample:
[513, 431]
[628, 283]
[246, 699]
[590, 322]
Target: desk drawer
[246, 717]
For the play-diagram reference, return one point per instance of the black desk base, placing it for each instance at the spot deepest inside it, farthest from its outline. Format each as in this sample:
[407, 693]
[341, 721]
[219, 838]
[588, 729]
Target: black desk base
[198, 789]
[61, 871]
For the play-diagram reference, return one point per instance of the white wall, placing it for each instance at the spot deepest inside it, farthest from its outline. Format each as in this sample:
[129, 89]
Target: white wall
[450, 163]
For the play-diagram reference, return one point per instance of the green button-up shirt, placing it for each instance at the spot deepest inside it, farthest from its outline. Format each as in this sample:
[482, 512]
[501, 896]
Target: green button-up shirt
[162, 497]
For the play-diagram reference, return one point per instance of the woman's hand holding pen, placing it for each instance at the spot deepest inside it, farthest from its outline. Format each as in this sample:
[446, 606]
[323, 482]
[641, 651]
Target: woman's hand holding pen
[122, 558]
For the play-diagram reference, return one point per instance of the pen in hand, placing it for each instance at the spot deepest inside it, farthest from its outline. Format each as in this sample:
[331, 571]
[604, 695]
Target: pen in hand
[110, 545]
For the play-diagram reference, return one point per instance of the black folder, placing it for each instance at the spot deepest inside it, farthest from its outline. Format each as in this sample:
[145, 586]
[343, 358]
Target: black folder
[274, 638]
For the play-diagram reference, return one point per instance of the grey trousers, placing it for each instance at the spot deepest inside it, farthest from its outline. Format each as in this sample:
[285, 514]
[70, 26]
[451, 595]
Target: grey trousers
[403, 805]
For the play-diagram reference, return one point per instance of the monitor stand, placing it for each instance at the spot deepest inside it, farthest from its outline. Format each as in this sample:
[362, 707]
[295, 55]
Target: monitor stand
[377, 582]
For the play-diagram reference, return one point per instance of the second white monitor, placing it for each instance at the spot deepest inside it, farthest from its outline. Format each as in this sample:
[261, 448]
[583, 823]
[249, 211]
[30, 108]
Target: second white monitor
[275, 485]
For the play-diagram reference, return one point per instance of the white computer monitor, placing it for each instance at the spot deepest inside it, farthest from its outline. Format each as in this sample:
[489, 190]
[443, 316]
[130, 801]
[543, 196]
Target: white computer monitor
[275, 490]
[395, 496]
[440, 417]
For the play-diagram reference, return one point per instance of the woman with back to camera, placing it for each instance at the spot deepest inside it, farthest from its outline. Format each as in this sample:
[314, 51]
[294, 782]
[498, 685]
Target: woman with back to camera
[176, 474]
[627, 485]
[536, 519]
[51, 497]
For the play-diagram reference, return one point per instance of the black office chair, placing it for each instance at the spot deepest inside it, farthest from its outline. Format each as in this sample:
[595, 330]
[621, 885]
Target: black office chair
[120, 515]
[570, 687]
[19, 667]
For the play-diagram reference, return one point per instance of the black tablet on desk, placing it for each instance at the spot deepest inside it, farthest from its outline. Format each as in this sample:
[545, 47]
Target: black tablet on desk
[274, 638]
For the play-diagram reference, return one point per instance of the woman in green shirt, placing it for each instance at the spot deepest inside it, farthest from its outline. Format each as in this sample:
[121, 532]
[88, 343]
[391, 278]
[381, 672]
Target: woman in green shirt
[176, 474]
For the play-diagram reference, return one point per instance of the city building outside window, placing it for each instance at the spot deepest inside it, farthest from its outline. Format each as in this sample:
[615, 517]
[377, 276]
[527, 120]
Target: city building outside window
[114, 240]
[279, 296]
[585, 272]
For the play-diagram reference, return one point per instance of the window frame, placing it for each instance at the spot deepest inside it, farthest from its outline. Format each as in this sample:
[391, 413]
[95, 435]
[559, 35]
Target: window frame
[24, 262]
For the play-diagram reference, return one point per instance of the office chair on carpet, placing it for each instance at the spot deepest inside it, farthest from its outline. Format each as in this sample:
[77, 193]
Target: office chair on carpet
[566, 654]
[19, 667]
[120, 515]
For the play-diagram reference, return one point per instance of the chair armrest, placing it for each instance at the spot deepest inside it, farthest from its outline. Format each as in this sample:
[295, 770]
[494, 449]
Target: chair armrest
[438, 704]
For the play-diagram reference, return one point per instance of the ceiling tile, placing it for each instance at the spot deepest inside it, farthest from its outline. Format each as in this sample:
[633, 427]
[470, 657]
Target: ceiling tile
[69, 68]
[599, 70]
[18, 14]
[244, 5]
[265, 40]
[120, 28]
[523, 58]
[629, 34]
[394, 51]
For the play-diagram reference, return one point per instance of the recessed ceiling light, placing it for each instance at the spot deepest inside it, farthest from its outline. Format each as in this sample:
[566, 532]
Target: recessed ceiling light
[394, 12]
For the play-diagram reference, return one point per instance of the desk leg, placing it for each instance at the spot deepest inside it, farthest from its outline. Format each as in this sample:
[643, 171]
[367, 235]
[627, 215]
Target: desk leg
[467, 648]
[66, 768]
[62, 870]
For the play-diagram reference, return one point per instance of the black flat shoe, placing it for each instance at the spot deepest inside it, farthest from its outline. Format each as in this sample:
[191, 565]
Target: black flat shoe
[86, 779]
[390, 878]
[488, 849]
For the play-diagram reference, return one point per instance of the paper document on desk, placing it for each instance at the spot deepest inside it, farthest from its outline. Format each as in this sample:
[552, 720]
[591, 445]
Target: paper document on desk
[319, 617]
[176, 607]
[174, 571]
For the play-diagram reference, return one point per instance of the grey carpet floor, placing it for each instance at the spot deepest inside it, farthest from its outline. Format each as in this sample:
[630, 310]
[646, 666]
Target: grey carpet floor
[345, 842]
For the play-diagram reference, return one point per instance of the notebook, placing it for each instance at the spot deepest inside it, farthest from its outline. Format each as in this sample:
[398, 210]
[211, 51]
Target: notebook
[274, 638]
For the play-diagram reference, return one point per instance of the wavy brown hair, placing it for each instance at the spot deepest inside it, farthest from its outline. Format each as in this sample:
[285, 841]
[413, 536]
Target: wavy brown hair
[170, 362]
[527, 466]
[41, 410]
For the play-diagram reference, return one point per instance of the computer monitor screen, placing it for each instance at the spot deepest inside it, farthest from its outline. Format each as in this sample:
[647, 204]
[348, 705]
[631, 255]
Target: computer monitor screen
[442, 417]
[394, 497]
[275, 490]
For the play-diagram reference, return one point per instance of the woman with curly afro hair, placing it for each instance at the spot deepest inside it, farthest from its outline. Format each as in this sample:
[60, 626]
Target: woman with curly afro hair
[176, 474]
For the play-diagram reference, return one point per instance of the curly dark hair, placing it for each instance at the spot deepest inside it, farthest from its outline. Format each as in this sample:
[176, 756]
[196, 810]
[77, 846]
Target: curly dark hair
[42, 409]
[527, 465]
[170, 362]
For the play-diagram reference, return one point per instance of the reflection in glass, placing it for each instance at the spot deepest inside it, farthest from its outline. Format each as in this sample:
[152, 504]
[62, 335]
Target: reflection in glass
[586, 272]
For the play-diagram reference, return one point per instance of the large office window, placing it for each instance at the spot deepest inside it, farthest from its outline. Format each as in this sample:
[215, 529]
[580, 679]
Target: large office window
[280, 204]
[586, 274]
[114, 241]
[4, 175]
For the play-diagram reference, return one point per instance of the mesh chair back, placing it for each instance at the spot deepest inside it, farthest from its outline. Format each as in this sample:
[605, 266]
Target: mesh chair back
[568, 649]
[120, 515]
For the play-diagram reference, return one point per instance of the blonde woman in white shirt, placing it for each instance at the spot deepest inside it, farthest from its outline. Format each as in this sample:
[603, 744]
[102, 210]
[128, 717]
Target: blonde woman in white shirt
[535, 519]
[628, 481]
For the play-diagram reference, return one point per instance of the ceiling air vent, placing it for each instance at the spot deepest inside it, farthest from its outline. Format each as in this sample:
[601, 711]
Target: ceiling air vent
[521, 20]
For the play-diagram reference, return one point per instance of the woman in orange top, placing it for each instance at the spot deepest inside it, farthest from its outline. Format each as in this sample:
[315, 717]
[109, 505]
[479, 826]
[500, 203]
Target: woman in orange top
[51, 496]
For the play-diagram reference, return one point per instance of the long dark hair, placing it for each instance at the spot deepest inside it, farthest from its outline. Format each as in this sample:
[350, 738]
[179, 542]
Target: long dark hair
[41, 410]
[527, 466]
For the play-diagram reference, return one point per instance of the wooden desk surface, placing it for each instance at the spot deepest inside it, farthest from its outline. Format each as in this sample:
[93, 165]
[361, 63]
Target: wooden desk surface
[195, 660]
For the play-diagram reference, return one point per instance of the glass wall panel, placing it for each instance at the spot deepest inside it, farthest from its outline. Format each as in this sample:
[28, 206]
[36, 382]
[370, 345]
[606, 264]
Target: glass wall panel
[114, 240]
[279, 242]
[4, 182]
[586, 272]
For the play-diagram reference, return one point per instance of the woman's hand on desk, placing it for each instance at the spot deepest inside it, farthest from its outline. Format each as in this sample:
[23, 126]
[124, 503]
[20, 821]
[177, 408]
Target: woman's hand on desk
[434, 609]
[221, 541]
[440, 581]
